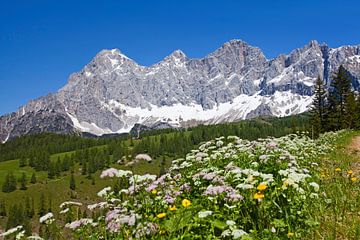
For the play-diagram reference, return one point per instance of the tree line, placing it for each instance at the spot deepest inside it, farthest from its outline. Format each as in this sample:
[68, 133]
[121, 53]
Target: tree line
[337, 106]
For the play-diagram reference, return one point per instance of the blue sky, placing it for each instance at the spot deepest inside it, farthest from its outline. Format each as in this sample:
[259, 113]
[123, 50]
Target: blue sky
[43, 41]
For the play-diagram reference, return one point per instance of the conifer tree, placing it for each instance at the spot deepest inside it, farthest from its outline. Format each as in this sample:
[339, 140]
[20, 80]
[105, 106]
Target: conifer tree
[22, 162]
[2, 209]
[51, 170]
[338, 95]
[23, 182]
[58, 168]
[29, 210]
[84, 168]
[33, 178]
[42, 205]
[318, 108]
[92, 180]
[72, 182]
[9, 184]
[350, 108]
[357, 112]
[50, 204]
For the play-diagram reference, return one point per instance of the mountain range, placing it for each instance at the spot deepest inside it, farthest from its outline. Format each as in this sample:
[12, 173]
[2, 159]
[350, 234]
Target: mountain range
[113, 93]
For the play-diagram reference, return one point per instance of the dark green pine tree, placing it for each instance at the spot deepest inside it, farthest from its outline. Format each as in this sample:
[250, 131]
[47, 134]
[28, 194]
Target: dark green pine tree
[357, 112]
[51, 170]
[23, 182]
[2, 209]
[9, 184]
[84, 168]
[72, 182]
[42, 205]
[338, 95]
[33, 178]
[50, 204]
[92, 180]
[11, 221]
[162, 166]
[350, 111]
[58, 168]
[318, 108]
[29, 211]
[22, 161]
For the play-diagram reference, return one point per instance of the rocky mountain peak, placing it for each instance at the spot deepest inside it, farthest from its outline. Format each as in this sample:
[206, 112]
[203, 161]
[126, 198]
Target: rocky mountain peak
[113, 93]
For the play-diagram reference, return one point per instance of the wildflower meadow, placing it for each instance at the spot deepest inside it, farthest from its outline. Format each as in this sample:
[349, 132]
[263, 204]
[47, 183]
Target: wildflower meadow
[228, 188]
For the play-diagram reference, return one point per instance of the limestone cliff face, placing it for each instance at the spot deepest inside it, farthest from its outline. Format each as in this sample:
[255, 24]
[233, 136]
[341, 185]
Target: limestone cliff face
[113, 93]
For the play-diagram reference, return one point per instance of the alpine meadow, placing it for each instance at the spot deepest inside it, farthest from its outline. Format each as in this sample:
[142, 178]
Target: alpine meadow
[240, 142]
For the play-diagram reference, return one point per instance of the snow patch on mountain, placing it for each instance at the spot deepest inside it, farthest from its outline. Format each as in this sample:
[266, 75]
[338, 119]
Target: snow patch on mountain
[281, 104]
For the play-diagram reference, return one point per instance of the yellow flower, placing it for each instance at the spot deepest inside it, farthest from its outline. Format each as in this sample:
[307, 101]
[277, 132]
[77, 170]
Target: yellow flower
[290, 234]
[259, 195]
[337, 169]
[261, 187]
[285, 184]
[350, 172]
[161, 215]
[172, 208]
[186, 202]
[154, 191]
[353, 179]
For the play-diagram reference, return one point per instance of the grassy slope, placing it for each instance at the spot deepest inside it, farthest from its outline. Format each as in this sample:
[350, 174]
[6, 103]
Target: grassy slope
[58, 189]
[340, 217]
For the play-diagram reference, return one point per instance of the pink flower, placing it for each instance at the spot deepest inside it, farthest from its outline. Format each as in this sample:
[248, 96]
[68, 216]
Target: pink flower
[111, 172]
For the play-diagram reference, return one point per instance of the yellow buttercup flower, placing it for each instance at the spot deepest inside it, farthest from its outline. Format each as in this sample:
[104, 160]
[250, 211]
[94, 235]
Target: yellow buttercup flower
[259, 195]
[353, 179]
[172, 208]
[186, 202]
[290, 234]
[154, 191]
[161, 215]
[337, 169]
[261, 187]
[350, 172]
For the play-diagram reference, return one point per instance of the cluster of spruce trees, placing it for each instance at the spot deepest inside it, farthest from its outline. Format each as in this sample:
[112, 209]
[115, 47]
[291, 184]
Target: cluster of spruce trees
[10, 182]
[22, 212]
[50, 143]
[338, 108]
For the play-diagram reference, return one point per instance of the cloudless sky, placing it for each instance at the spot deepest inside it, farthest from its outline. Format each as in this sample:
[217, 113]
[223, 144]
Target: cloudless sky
[43, 41]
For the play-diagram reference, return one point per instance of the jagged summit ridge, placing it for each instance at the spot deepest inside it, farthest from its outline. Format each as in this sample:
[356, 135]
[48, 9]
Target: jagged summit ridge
[113, 93]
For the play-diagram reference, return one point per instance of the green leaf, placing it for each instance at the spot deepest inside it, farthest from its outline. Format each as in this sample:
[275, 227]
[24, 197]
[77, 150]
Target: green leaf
[219, 224]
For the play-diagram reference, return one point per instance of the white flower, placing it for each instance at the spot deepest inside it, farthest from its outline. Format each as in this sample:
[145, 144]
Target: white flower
[238, 233]
[230, 207]
[20, 235]
[11, 231]
[313, 195]
[47, 218]
[226, 233]
[315, 186]
[104, 191]
[64, 211]
[145, 157]
[35, 238]
[98, 205]
[230, 222]
[204, 214]
[219, 143]
[70, 203]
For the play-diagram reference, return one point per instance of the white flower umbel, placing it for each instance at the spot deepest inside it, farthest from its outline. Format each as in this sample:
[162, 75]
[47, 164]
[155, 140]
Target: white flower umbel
[104, 192]
[11, 231]
[70, 203]
[204, 214]
[47, 218]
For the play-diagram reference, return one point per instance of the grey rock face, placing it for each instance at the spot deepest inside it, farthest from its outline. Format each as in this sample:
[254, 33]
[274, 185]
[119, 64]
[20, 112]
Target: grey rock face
[113, 93]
